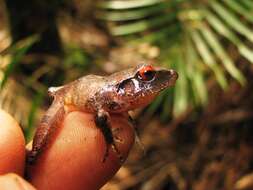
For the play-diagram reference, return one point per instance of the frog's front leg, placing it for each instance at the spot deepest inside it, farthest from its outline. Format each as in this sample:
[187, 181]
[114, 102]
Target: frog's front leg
[102, 120]
[137, 139]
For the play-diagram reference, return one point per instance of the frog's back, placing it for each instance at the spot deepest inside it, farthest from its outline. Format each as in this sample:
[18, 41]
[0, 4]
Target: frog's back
[88, 85]
[83, 90]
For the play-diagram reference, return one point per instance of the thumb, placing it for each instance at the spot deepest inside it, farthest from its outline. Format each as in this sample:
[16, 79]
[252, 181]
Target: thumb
[73, 158]
[12, 145]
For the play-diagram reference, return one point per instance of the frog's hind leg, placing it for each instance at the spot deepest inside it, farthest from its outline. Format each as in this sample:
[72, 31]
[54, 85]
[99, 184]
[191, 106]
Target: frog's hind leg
[102, 120]
[46, 128]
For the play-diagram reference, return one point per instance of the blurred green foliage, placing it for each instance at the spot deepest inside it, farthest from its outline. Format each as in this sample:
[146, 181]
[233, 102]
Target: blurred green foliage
[193, 37]
[17, 51]
[76, 57]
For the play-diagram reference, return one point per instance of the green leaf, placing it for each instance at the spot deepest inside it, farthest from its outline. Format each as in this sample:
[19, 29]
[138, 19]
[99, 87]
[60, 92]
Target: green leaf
[236, 6]
[232, 20]
[224, 31]
[142, 25]
[18, 52]
[214, 43]
[208, 58]
[181, 102]
[132, 14]
[247, 3]
[195, 74]
[165, 34]
[127, 4]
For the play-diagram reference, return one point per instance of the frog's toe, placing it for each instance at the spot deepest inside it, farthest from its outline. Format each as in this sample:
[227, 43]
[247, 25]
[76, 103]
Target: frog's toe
[116, 150]
[117, 139]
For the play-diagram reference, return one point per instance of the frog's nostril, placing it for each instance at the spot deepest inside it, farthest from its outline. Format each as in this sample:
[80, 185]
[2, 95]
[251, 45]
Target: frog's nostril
[173, 73]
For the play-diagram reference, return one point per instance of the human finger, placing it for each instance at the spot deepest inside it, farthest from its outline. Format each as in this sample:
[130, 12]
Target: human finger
[73, 159]
[12, 145]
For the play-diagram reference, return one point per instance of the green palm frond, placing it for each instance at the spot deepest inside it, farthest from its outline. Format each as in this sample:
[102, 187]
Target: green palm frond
[17, 51]
[189, 34]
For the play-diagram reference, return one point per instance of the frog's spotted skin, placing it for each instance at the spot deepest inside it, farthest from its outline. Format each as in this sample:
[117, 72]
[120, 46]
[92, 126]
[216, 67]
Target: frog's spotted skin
[101, 95]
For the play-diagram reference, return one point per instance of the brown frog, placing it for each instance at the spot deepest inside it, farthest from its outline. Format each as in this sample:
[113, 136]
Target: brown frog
[101, 95]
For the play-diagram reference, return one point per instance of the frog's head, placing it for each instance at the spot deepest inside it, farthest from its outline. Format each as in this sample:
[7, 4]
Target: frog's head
[139, 86]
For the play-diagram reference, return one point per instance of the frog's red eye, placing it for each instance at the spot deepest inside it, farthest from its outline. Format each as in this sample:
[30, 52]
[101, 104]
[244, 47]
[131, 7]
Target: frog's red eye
[146, 73]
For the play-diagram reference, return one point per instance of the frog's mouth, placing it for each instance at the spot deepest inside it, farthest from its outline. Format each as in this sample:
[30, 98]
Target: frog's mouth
[164, 79]
[146, 91]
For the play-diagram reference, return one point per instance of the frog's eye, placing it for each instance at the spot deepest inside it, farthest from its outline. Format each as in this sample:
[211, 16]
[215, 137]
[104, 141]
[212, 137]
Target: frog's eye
[146, 73]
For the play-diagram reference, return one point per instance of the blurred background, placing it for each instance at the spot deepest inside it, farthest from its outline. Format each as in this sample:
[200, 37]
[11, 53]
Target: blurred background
[197, 135]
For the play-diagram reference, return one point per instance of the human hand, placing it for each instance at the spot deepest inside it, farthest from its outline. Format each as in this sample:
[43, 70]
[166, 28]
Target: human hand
[73, 158]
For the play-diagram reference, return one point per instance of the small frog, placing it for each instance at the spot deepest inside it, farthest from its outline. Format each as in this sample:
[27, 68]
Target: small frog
[101, 95]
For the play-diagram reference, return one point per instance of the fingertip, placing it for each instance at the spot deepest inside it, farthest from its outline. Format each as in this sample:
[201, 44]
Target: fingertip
[76, 154]
[12, 145]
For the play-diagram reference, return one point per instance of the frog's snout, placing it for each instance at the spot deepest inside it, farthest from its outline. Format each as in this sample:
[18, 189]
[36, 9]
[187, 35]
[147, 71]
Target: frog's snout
[173, 74]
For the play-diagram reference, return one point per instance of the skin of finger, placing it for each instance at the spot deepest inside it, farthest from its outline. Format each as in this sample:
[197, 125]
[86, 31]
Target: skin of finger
[73, 159]
[12, 145]
[14, 182]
